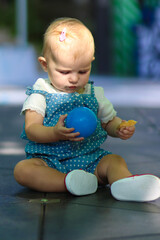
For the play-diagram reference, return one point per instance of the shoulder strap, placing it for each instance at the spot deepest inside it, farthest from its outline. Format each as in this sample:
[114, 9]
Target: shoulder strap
[92, 87]
[30, 91]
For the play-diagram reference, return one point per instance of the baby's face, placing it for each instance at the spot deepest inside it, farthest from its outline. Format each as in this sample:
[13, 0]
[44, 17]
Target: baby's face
[67, 72]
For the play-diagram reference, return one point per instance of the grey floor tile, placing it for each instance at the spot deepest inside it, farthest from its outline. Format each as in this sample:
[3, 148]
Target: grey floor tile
[19, 220]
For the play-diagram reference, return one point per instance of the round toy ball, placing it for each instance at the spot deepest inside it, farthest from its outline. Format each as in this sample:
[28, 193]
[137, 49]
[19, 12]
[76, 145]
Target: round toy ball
[83, 120]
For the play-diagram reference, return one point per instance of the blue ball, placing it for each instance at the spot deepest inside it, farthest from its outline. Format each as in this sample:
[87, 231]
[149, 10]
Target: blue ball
[83, 120]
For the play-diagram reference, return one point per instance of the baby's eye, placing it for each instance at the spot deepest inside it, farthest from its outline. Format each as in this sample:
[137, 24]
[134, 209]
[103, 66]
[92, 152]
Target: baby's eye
[83, 72]
[64, 72]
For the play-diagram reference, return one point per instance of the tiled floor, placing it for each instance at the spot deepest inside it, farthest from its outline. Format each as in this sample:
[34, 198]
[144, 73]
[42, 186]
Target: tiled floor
[30, 215]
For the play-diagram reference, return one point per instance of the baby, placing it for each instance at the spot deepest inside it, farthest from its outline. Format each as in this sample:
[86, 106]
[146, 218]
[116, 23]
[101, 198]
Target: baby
[57, 159]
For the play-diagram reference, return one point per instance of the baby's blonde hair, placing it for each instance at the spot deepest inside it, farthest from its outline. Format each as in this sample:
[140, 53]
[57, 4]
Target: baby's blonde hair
[75, 29]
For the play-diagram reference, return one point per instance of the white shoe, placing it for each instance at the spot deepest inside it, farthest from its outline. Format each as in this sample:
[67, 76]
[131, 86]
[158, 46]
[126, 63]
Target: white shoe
[79, 182]
[139, 188]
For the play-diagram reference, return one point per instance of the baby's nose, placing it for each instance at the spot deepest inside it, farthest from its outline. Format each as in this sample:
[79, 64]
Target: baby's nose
[74, 78]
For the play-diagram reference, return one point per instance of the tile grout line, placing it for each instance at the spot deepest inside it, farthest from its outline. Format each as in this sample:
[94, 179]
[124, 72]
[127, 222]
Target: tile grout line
[42, 220]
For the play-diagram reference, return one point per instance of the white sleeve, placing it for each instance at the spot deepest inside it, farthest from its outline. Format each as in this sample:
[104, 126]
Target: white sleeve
[35, 102]
[106, 111]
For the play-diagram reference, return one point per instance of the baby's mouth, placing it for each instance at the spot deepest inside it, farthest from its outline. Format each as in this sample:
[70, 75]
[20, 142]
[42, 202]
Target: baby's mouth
[72, 87]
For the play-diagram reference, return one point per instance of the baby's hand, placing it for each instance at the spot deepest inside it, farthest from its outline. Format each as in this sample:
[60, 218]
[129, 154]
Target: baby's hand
[64, 133]
[126, 129]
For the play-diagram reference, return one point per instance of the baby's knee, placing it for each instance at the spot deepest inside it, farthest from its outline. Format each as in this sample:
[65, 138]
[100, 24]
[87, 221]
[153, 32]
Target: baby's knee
[20, 172]
[112, 160]
[118, 159]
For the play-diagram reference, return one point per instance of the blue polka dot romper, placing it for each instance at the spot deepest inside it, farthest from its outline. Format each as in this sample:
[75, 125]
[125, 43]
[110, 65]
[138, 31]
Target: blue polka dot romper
[66, 156]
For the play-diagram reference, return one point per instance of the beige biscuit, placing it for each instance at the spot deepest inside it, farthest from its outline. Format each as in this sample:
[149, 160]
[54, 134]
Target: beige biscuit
[128, 123]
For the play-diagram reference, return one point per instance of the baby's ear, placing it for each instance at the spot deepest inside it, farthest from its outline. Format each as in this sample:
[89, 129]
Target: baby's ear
[43, 63]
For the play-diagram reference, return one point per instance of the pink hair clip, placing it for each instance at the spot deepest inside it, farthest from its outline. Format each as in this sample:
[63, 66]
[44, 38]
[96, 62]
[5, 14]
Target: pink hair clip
[63, 35]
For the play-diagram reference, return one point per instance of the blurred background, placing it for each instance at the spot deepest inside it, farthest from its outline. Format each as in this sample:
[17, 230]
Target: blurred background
[126, 32]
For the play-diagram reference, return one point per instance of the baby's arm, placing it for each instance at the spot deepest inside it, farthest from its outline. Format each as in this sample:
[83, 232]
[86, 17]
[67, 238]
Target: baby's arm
[37, 132]
[114, 130]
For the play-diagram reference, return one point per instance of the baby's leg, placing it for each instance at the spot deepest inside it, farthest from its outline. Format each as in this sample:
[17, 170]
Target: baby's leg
[124, 186]
[111, 168]
[35, 173]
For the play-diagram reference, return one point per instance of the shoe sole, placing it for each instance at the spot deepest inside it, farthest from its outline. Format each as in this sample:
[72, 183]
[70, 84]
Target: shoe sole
[79, 182]
[142, 188]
